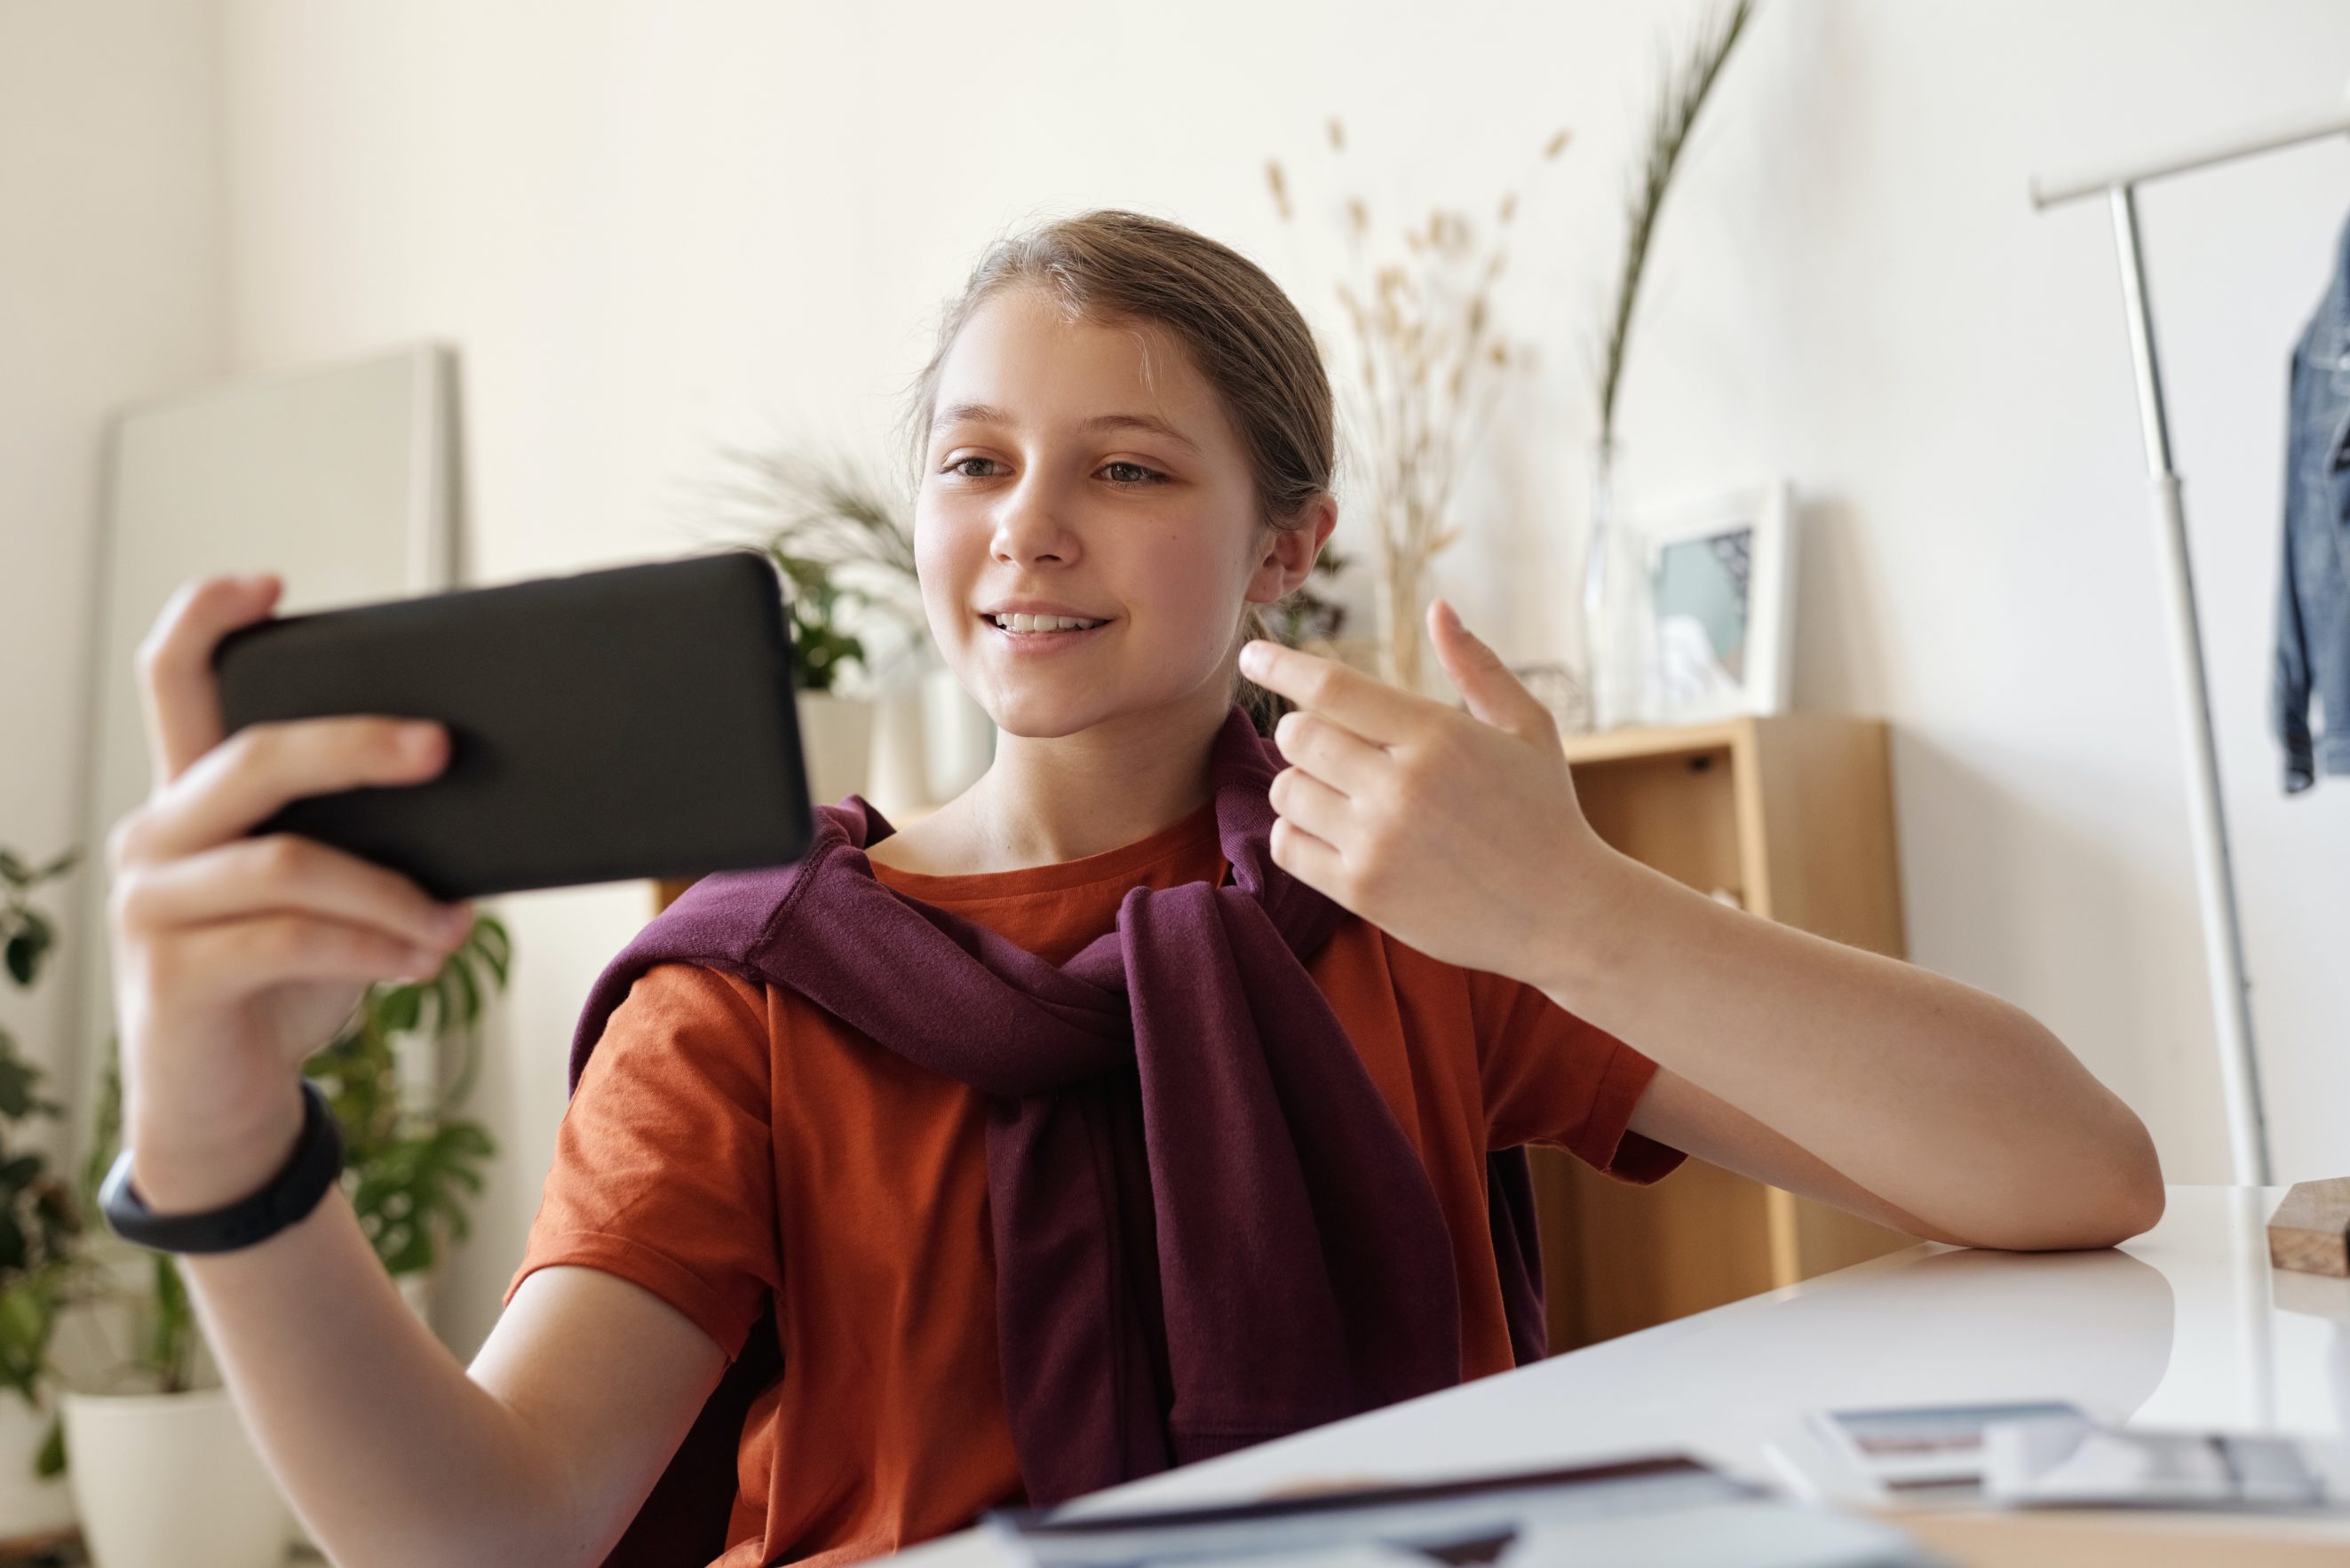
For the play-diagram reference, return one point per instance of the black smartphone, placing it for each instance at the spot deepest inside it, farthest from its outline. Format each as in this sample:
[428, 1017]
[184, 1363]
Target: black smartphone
[637, 722]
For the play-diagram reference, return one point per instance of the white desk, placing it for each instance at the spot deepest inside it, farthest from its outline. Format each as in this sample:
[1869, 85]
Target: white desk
[2186, 1326]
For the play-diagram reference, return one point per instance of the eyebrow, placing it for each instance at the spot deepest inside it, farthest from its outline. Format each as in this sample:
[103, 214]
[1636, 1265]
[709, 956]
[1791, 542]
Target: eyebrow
[988, 413]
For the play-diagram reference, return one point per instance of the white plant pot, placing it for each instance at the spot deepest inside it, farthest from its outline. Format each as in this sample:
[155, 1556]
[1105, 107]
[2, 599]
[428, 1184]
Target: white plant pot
[959, 738]
[28, 1504]
[898, 779]
[837, 738]
[172, 1480]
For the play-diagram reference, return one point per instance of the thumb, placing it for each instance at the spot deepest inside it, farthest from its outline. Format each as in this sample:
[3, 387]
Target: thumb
[1493, 694]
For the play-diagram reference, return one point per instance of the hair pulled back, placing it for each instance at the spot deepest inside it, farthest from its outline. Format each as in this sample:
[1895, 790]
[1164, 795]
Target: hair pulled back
[1241, 331]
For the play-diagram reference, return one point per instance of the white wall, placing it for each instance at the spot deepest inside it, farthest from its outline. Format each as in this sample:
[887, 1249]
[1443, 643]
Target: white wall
[112, 291]
[653, 228]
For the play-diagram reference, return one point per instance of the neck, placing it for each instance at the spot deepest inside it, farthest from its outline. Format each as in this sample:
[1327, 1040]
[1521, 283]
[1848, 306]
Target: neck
[1047, 799]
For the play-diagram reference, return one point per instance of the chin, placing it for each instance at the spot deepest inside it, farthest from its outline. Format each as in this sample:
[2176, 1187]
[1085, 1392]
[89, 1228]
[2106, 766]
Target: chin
[1040, 715]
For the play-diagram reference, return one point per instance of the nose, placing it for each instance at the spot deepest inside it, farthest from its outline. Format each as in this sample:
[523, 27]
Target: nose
[1029, 526]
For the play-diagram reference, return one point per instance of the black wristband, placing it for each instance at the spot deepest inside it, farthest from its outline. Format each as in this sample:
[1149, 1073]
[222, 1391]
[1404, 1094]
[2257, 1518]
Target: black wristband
[314, 1165]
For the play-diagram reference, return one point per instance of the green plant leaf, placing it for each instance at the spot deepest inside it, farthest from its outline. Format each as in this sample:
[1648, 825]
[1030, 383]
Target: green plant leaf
[51, 1461]
[24, 953]
[26, 1311]
[398, 1013]
[58, 1215]
[441, 993]
[411, 1186]
[496, 945]
[471, 1010]
[171, 1343]
[17, 1078]
[106, 1129]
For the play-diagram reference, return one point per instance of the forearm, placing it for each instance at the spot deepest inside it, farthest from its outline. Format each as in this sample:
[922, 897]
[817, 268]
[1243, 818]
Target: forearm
[1941, 1099]
[388, 1450]
[1460, 833]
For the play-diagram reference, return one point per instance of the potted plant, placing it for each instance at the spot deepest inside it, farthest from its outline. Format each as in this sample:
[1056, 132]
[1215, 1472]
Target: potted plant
[835, 730]
[842, 537]
[40, 1221]
[176, 1480]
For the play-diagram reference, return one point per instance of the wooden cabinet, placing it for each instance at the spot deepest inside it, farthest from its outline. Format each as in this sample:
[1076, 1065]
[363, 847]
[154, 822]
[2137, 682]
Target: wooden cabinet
[1790, 817]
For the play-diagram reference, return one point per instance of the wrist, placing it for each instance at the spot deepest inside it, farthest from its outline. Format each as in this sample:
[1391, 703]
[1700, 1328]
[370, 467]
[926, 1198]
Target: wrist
[1596, 924]
[178, 1174]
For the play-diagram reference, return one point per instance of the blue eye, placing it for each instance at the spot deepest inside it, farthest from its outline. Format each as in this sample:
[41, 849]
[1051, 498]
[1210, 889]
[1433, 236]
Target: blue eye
[956, 467]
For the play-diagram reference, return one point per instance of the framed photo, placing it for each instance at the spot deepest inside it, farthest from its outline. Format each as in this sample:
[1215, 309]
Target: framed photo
[1721, 618]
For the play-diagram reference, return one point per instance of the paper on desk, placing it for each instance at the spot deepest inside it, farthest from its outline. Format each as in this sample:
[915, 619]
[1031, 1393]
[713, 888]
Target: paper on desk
[1900, 1455]
[2056, 1462]
[1667, 1511]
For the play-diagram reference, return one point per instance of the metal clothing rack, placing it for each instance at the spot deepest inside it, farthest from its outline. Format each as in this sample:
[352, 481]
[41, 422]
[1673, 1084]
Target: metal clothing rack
[2223, 940]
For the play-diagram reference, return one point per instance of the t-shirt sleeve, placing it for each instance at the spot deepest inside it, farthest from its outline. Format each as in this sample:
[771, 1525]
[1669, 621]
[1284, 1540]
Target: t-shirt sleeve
[664, 1167]
[1552, 1078]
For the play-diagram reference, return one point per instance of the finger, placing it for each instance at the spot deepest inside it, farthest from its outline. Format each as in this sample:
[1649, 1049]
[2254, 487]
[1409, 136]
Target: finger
[230, 960]
[176, 690]
[1312, 805]
[1330, 752]
[1484, 683]
[261, 767]
[1371, 707]
[285, 873]
[1311, 860]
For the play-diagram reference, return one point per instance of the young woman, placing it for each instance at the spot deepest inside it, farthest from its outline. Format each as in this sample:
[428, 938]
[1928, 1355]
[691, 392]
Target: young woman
[1160, 1046]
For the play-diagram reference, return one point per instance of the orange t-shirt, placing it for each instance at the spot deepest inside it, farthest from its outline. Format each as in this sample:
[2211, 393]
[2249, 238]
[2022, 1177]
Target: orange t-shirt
[729, 1138]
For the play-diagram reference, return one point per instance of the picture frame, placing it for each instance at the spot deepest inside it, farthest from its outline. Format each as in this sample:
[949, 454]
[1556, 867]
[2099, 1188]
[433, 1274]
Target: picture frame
[1720, 579]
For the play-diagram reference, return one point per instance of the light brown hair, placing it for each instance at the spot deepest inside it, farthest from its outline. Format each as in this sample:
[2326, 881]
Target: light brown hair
[1246, 337]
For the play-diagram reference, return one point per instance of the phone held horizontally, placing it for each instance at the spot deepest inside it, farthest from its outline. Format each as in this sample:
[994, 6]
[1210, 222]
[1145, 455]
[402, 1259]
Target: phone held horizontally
[632, 723]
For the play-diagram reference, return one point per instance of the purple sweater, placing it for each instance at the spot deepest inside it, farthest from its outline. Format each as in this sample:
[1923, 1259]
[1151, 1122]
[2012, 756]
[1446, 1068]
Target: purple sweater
[1210, 1229]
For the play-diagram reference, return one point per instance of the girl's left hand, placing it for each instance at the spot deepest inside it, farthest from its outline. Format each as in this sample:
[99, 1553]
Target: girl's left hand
[1457, 833]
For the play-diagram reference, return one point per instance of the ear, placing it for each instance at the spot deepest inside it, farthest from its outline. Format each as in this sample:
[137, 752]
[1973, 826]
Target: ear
[1290, 553]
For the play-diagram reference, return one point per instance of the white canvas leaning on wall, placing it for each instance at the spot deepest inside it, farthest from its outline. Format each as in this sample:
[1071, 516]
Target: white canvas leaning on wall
[340, 479]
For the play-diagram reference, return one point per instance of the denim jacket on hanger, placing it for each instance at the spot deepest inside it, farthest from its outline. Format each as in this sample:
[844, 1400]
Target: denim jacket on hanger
[2312, 653]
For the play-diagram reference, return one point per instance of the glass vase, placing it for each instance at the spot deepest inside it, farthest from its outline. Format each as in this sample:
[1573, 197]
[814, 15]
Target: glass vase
[1617, 639]
[1398, 613]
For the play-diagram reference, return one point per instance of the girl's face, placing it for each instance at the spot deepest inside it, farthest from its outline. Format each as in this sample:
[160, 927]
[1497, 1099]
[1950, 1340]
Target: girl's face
[1060, 479]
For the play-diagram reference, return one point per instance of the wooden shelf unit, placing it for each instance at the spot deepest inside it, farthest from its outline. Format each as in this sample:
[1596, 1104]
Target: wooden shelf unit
[1792, 816]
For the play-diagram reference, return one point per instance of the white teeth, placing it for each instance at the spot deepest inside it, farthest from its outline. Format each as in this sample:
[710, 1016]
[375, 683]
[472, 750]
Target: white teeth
[1043, 623]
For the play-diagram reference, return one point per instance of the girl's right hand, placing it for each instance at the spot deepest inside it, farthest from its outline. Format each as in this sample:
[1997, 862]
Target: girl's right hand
[236, 957]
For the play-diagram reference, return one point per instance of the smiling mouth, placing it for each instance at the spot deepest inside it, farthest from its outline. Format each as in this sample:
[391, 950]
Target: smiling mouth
[1042, 626]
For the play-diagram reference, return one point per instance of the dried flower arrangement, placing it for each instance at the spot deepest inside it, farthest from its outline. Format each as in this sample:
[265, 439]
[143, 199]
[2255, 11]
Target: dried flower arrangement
[1426, 364]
